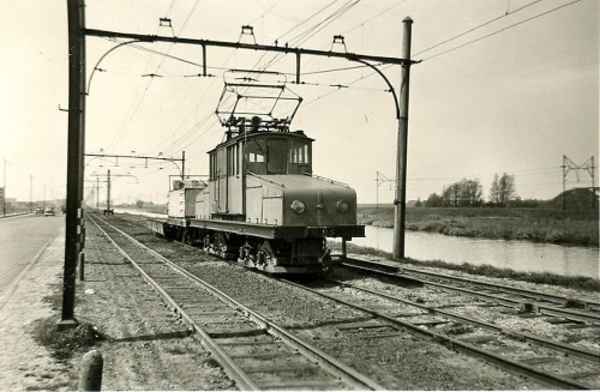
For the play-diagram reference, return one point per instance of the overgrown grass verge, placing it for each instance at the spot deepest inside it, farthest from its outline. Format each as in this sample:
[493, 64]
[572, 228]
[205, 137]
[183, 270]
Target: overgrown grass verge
[506, 231]
[62, 344]
[572, 282]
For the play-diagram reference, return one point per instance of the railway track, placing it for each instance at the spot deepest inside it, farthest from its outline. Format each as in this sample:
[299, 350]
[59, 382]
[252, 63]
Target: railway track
[544, 304]
[257, 353]
[545, 360]
[541, 359]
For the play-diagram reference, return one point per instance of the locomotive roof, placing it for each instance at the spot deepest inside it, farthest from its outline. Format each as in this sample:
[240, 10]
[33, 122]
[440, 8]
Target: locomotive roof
[260, 134]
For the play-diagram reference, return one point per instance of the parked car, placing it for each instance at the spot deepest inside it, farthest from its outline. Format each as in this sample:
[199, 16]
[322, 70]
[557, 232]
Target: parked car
[39, 211]
[49, 211]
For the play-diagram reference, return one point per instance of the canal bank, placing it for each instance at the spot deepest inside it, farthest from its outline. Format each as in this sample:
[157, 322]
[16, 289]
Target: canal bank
[520, 256]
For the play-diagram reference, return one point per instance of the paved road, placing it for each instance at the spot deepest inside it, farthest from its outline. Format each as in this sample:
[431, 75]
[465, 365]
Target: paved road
[22, 238]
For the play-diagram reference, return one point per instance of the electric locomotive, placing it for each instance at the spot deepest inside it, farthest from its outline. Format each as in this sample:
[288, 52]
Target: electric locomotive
[262, 205]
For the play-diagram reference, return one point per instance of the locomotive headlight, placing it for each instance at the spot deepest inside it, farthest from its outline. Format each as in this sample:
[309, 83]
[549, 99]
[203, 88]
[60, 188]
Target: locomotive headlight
[342, 206]
[298, 207]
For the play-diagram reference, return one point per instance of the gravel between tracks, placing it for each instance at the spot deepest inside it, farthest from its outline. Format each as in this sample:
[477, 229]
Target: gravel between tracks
[148, 349]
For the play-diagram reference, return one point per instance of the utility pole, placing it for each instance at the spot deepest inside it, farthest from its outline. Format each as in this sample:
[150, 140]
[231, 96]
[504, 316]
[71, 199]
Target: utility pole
[402, 144]
[182, 165]
[108, 193]
[380, 179]
[75, 151]
[97, 194]
[4, 191]
[31, 193]
[569, 165]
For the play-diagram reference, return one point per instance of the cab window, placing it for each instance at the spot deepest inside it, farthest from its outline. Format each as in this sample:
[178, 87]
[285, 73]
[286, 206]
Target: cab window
[276, 164]
[255, 156]
[299, 157]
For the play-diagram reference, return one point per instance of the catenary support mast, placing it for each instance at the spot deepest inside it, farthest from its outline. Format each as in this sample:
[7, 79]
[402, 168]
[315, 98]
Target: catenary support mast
[402, 148]
[75, 11]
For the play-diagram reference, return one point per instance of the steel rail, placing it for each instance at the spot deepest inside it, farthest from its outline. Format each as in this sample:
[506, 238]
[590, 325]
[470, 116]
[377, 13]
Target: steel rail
[539, 308]
[234, 371]
[510, 365]
[332, 365]
[523, 292]
[588, 355]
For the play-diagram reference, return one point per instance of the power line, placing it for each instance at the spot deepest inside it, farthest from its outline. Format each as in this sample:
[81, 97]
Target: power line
[145, 91]
[347, 85]
[458, 47]
[308, 34]
[303, 37]
[477, 27]
[307, 19]
[375, 16]
[336, 14]
[266, 12]
[502, 30]
[188, 17]
[292, 29]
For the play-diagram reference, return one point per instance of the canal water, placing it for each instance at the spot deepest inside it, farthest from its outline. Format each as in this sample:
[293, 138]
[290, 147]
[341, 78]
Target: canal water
[523, 256]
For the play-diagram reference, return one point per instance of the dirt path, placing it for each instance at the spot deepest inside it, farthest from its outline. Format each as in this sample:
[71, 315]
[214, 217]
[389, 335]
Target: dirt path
[146, 348]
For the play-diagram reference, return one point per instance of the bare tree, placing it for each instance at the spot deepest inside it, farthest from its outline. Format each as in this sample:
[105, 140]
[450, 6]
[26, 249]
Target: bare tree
[503, 189]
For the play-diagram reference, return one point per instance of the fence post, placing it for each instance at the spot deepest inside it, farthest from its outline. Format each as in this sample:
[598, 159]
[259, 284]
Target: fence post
[90, 377]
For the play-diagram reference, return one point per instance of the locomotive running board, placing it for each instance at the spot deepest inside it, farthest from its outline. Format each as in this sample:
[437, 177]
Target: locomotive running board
[274, 232]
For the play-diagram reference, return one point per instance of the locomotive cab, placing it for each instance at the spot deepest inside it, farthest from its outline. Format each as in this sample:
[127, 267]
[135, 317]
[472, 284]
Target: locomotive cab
[275, 212]
[258, 153]
[276, 155]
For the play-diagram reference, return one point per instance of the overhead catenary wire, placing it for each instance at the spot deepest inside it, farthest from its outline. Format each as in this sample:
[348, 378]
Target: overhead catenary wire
[275, 3]
[133, 108]
[306, 35]
[331, 17]
[375, 16]
[475, 28]
[458, 47]
[501, 30]
[492, 33]
[129, 119]
[256, 65]
[311, 31]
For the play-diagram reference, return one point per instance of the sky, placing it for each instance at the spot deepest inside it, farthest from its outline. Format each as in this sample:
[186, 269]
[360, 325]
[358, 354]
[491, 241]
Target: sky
[503, 86]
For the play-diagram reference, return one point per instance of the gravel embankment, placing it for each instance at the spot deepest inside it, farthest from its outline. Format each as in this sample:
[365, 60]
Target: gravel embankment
[147, 349]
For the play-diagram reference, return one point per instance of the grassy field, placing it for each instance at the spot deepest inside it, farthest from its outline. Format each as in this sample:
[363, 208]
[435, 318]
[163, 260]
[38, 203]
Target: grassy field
[575, 227]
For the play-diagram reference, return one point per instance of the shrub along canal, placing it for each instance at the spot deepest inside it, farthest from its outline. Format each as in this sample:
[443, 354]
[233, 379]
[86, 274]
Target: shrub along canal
[521, 256]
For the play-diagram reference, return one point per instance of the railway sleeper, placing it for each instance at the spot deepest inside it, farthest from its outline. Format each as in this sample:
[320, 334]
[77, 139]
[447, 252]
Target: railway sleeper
[535, 360]
[216, 333]
[283, 368]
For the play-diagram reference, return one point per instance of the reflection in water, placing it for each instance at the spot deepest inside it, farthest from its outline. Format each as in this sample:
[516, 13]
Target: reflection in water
[517, 255]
